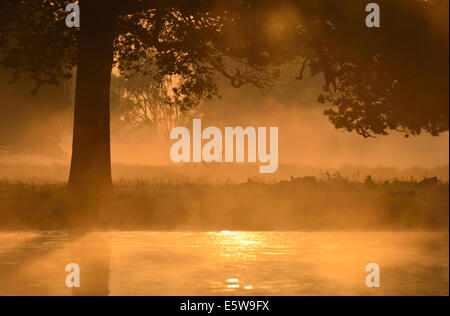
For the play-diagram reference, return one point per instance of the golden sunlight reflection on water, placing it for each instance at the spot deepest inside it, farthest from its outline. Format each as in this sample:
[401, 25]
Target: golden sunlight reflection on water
[224, 263]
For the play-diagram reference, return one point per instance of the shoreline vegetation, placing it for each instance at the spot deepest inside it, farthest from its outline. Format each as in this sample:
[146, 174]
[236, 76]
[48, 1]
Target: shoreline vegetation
[327, 203]
[48, 172]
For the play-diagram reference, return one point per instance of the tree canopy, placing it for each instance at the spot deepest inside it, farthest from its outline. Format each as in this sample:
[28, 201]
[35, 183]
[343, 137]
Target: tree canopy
[376, 80]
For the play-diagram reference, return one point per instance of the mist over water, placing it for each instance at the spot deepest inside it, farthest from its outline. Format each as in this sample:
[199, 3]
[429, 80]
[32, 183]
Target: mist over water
[225, 263]
[337, 203]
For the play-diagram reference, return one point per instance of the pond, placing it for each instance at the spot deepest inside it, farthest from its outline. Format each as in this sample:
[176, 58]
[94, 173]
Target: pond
[224, 263]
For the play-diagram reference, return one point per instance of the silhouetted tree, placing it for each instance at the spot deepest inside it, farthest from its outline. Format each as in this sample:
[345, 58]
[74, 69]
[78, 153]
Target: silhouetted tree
[391, 78]
[140, 107]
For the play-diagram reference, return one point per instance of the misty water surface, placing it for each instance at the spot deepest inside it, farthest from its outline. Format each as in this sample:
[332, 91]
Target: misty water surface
[224, 263]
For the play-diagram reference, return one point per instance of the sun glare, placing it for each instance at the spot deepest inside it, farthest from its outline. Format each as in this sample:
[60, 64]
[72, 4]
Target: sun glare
[228, 232]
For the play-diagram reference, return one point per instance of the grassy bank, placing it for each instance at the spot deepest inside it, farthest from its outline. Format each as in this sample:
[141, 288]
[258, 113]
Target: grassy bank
[333, 203]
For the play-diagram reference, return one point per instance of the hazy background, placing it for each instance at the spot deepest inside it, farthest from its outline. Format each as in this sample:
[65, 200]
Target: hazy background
[35, 136]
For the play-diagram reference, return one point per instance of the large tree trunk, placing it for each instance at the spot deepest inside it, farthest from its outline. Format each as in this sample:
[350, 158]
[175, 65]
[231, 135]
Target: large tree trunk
[90, 172]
